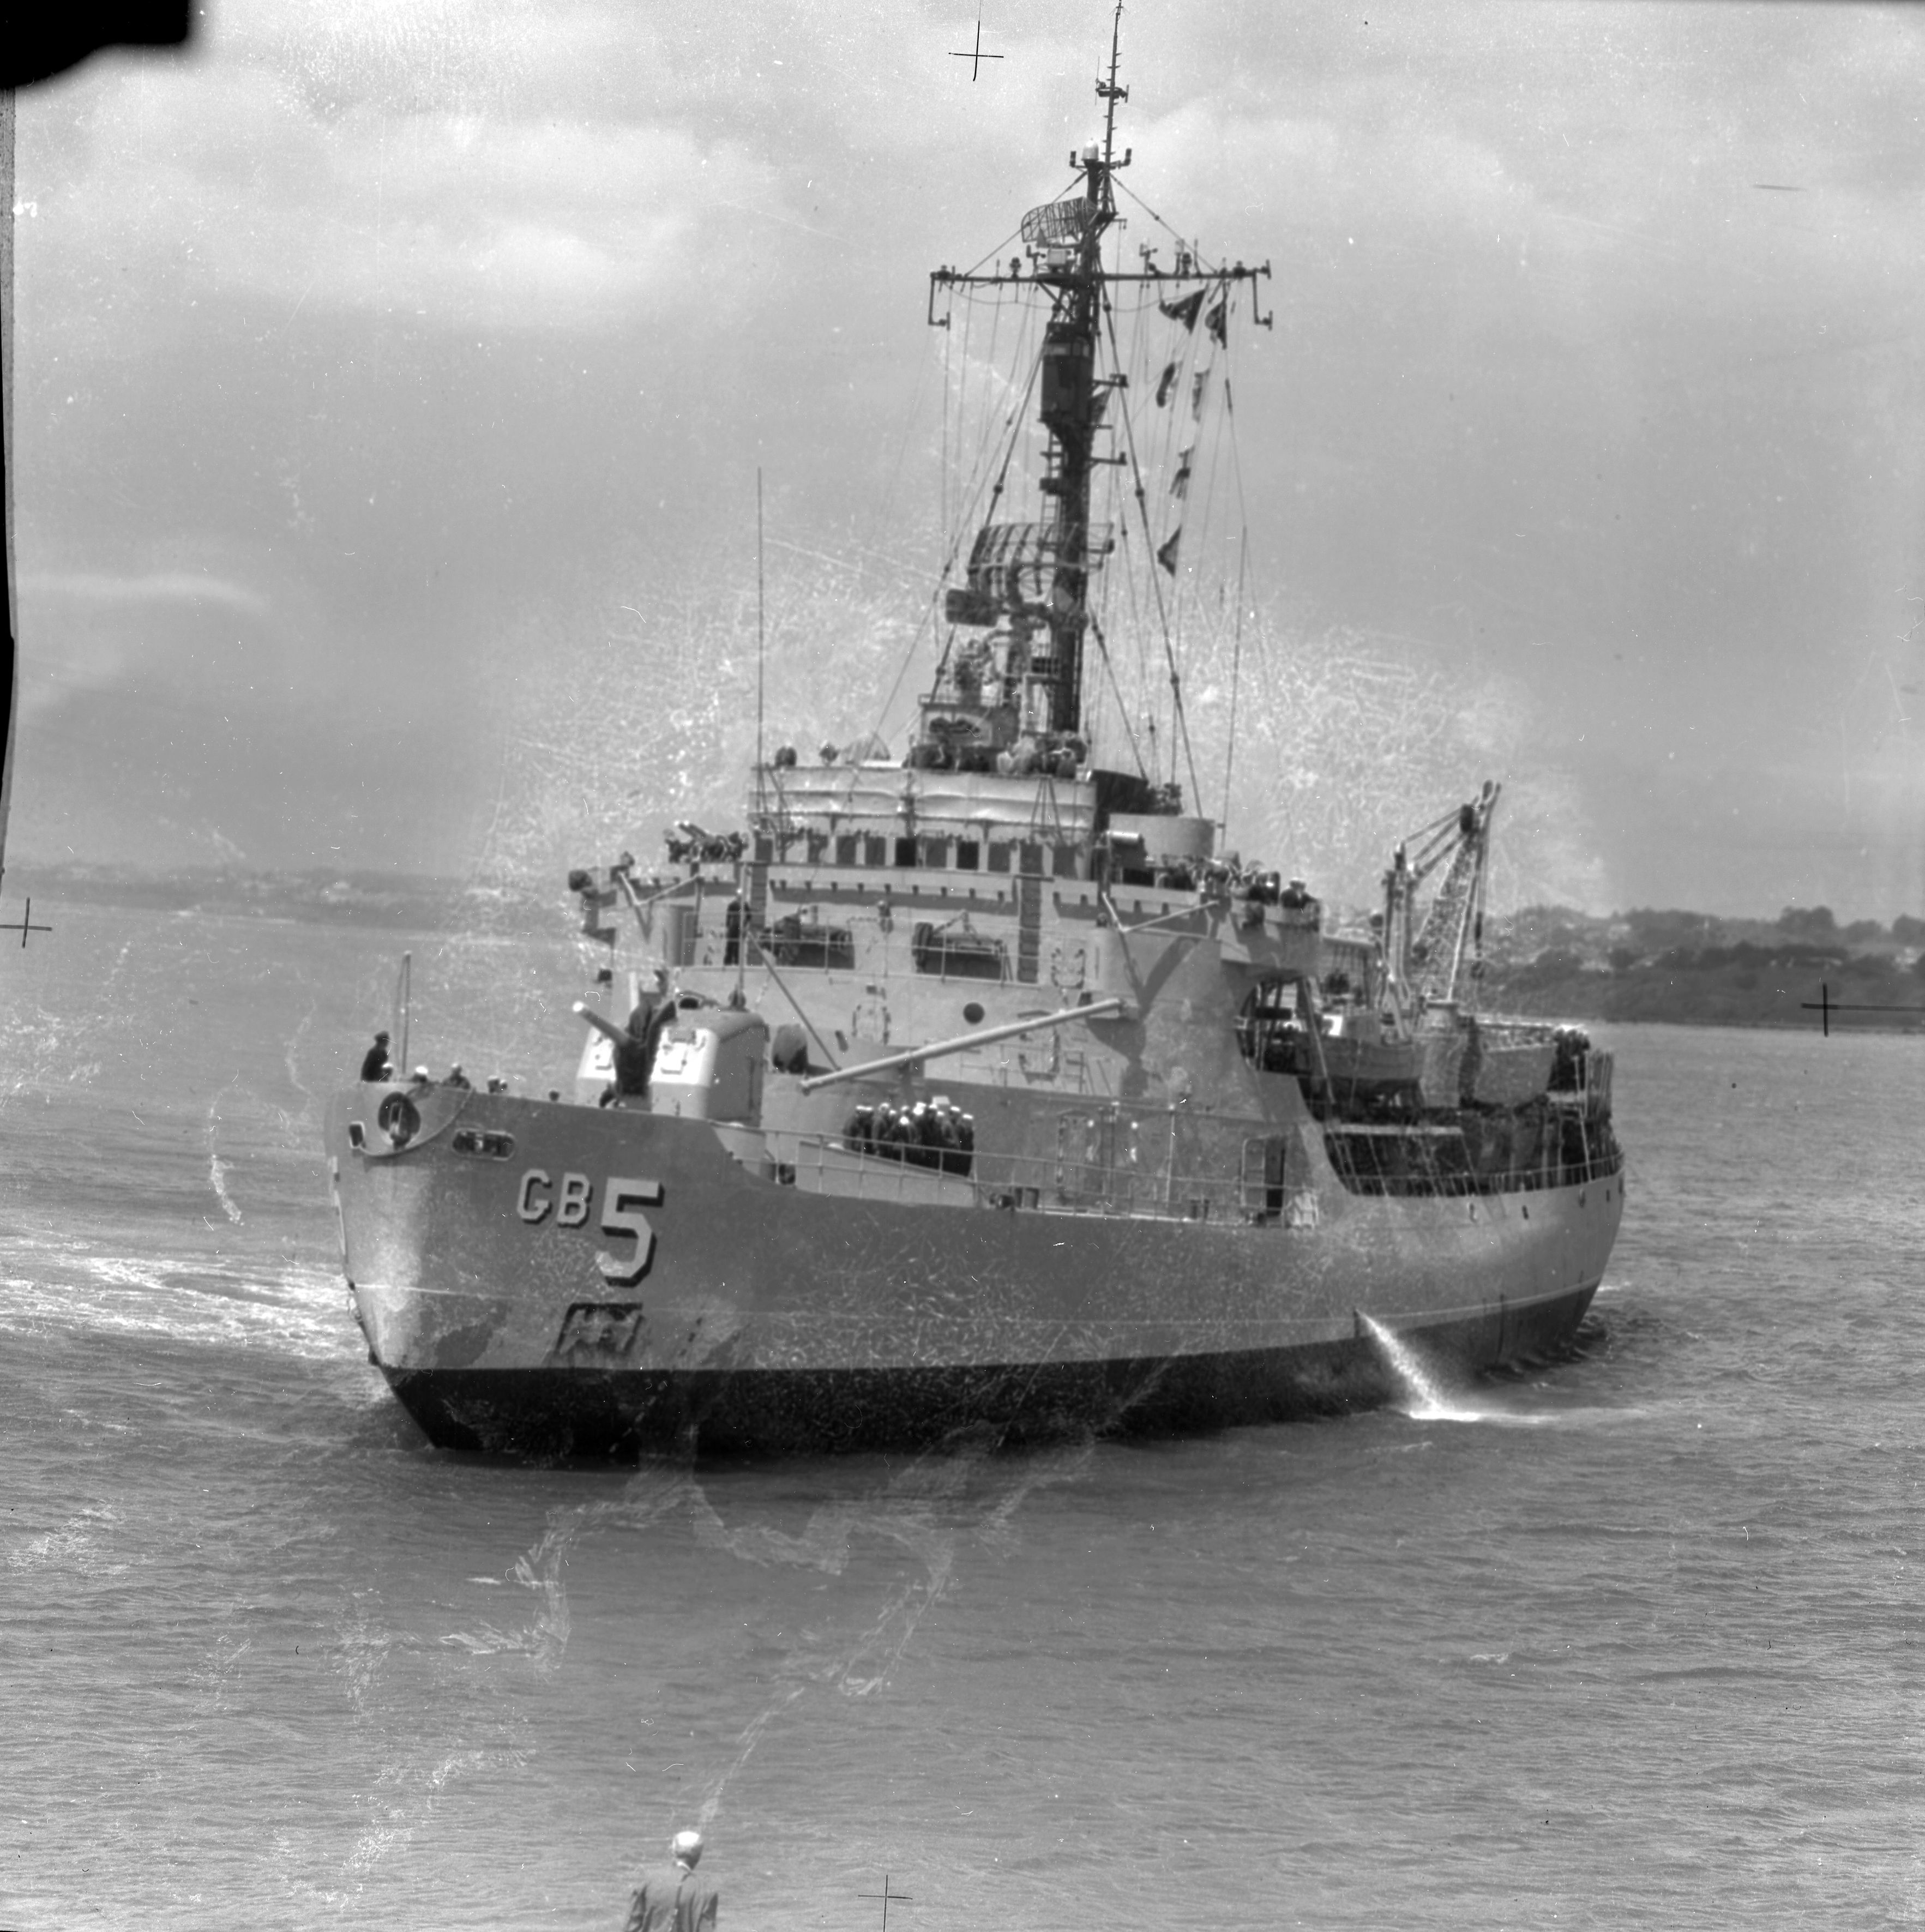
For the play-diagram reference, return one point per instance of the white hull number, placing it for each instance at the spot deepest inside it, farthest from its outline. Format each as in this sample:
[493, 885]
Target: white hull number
[572, 1204]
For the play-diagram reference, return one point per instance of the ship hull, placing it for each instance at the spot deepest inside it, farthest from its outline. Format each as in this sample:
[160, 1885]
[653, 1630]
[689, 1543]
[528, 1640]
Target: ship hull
[605, 1283]
[621, 1415]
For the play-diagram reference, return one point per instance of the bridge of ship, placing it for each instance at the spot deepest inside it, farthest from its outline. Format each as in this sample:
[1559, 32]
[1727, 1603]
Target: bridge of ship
[886, 872]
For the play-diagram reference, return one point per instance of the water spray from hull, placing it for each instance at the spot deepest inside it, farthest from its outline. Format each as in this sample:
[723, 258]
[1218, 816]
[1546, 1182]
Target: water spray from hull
[1427, 1399]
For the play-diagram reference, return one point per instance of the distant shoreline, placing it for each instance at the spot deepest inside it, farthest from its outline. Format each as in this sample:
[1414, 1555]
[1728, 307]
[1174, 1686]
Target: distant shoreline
[386, 901]
[1759, 982]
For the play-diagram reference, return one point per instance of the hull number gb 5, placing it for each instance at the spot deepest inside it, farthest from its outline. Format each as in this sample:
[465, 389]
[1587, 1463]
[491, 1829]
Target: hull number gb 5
[572, 1202]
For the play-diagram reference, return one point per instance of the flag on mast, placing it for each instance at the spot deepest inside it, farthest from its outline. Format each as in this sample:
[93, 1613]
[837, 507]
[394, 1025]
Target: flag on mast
[1184, 311]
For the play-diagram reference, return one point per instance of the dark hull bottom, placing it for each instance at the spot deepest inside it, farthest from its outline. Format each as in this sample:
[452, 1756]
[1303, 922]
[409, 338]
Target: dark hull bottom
[563, 1412]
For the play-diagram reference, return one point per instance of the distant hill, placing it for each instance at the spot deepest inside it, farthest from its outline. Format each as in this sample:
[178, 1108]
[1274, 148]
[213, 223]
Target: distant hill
[1691, 968]
[1544, 961]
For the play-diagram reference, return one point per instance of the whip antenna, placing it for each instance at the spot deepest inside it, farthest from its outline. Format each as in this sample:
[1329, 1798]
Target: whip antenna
[761, 642]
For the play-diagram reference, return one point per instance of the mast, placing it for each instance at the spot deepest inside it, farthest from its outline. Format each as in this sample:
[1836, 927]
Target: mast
[1029, 584]
[1069, 410]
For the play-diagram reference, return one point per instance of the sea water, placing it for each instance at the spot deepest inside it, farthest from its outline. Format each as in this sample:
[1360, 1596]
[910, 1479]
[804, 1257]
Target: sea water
[1631, 1640]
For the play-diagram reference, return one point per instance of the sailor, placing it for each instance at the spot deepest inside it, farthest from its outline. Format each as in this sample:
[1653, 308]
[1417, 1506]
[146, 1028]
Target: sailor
[635, 1057]
[374, 1062]
[974, 663]
[456, 1078]
[671, 1898]
[421, 1077]
[732, 948]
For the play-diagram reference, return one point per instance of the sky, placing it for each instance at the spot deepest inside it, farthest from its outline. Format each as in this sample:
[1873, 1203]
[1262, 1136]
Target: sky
[389, 375]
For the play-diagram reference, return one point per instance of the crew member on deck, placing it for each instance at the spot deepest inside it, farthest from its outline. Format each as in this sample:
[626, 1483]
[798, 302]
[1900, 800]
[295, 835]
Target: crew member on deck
[635, 1057]
[374, 1062]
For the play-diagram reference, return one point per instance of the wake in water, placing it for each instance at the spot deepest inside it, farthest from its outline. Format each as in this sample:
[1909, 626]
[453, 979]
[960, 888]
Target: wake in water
[291, 1307]
[929, 1510]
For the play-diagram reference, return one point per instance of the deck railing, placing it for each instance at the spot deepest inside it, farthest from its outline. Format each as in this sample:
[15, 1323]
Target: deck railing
[1113, 1176]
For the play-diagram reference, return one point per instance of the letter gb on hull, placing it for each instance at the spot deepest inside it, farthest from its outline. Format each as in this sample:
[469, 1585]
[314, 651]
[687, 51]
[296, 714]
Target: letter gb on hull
[975, 1086]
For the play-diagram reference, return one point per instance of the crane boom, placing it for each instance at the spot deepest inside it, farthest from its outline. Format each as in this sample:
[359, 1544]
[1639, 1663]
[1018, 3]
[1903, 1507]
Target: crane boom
[1426, 968]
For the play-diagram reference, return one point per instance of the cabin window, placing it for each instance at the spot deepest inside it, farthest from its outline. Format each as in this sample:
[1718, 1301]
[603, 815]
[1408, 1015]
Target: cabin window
[1085, 1152]
[969, 856]
[1266, 1159]
[999, 858]
[905, 852]
[936, 854]
[875, 850]
[793, 940]
[952, 954]
[1412, 1161]
[1270, 1030]
[1099, 1158]
[1065, 862]
[846, 847]
[1028, 858]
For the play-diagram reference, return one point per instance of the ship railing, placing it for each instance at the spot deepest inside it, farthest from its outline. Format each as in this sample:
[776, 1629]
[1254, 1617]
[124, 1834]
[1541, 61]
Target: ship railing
[1431, 1178]
[1110, 1184]
[1057, 1184]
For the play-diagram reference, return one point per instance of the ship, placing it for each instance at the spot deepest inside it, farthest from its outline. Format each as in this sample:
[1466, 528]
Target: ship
[972, 1088]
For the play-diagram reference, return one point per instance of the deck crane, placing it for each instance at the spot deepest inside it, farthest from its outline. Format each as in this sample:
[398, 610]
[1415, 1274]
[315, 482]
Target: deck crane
[1424, 968]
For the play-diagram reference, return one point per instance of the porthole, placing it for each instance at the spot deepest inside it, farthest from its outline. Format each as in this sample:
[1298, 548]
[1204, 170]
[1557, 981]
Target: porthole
[973, 1012]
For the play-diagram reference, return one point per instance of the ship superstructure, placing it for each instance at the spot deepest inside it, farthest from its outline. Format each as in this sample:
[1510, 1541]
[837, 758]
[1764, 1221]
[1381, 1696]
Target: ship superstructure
[974, 1086]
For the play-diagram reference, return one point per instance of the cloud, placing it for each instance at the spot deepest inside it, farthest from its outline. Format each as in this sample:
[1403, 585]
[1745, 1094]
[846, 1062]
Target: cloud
[85, 631]
[225, 182]
[153, 586]
[1545, 359]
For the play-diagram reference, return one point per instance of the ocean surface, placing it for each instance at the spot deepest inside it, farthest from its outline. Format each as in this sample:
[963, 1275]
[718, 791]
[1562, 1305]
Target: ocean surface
[1633, 1640]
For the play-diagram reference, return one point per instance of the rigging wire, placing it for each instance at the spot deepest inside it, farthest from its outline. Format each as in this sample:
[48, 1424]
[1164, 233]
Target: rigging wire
[1236, 674]
[1133, 368]
[1205, 269]
[1103, 652]
[958, 528]
[1141, 630]
[1242, 557]
[1181, 721]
